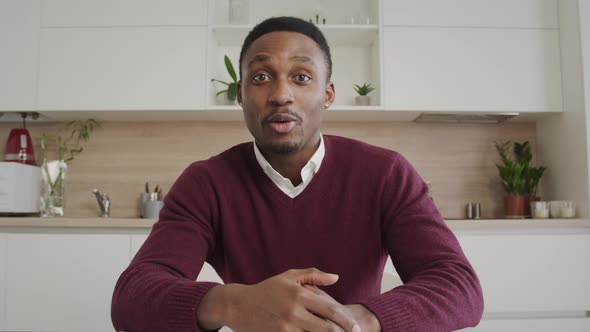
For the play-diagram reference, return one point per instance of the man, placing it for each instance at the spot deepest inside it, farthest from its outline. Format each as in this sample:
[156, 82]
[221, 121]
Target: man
[298, 225]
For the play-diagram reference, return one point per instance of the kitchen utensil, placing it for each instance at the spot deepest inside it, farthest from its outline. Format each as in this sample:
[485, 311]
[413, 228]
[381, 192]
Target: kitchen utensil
[476, 210]
[19, 146]
[151, 209]
[19, 188]
[469, 211]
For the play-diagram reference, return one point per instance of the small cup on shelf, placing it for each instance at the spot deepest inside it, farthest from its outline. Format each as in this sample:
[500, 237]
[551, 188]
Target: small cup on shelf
[568, 209]
[555, 209]
[539, 210]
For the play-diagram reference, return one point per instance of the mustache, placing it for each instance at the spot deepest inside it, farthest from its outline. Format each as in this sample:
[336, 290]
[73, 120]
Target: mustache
[283, 115]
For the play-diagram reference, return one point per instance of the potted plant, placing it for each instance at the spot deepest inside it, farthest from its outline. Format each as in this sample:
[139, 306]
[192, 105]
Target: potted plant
[66, 143]
[232, 87]
[520, 180]
[363, 99]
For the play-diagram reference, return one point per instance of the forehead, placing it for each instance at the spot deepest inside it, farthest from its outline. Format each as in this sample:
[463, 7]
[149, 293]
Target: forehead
[284, 44]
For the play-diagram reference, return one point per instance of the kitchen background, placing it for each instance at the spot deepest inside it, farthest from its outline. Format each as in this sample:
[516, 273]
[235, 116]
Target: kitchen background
[144, 68]
[458, 159]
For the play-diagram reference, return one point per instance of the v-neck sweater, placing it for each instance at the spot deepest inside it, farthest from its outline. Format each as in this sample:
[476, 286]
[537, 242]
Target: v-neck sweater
[307, 172]
[364, 204]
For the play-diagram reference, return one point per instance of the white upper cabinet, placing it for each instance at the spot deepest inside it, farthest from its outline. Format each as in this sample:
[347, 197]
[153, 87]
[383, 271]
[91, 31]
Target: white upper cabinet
[421, 55]
[472, 13]
[19, 29]
[93, 13]
[148, 68]
[472, 69]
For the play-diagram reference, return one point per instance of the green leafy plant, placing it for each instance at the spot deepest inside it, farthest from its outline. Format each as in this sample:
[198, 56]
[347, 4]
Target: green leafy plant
[364, 89]
[232, 87]
[68, 142]
[517, 175]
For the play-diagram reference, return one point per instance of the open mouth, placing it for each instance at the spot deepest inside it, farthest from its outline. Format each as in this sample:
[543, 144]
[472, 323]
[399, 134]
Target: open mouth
[282, 123]
[282, 127]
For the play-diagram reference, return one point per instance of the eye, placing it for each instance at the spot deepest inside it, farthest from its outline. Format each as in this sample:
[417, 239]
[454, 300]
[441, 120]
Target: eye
[302, 78]
[261, 77]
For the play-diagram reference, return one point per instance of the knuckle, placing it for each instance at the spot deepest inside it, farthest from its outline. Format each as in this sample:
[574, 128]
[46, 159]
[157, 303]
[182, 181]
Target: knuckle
[299, 294]
[334, 311]
[313, 270]
[282, 328]
[334, 328]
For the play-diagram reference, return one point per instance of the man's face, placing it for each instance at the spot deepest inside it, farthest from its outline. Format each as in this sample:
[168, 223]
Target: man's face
[284, 90]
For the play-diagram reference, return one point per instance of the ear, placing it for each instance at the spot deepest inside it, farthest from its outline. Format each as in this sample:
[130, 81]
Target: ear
[239, 92]
[330, 94]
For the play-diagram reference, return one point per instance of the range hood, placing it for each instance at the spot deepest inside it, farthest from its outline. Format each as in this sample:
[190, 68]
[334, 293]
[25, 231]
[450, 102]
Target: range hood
[436, 117]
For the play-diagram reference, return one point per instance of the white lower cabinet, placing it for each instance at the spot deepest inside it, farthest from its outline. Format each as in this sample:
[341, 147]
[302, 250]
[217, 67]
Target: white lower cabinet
[532, 282]
[62, 282]
[56, 281]
[532, 325]
[2, 283]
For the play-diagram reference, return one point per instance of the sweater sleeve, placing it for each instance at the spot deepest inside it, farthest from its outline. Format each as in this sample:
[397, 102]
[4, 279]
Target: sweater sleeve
[441, 291]
[158, 291]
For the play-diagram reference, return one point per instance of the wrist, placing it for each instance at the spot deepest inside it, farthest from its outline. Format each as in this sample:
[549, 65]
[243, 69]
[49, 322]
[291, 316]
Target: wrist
[216, 307]
[366, 319]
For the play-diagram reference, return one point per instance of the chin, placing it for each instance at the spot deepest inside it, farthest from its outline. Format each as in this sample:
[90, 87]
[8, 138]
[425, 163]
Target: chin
[285, 148]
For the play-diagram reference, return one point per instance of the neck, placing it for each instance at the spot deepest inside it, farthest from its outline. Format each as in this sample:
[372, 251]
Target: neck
[290, 165]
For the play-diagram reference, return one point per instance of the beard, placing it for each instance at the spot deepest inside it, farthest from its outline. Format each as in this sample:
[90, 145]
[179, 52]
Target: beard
[285, 148]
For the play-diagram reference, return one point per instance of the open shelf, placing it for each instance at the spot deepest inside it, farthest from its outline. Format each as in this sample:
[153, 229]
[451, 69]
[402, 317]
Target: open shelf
[341, 35]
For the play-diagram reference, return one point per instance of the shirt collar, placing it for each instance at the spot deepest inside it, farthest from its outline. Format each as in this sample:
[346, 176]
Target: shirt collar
[314, 162]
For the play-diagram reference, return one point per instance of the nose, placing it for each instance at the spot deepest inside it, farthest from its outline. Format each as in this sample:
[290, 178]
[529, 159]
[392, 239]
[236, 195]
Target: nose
[281, 93]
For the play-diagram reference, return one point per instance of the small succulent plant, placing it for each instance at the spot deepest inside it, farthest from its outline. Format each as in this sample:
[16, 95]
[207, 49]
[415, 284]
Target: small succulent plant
[364, 89]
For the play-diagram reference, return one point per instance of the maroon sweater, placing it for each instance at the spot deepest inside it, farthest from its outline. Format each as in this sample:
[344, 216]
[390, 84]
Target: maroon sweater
[364, 203]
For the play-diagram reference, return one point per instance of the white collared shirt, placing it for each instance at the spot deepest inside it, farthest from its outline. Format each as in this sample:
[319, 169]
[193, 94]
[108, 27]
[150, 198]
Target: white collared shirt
[307, 172]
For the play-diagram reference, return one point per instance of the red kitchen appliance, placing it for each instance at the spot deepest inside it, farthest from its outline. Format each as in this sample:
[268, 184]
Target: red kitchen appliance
[19, 147]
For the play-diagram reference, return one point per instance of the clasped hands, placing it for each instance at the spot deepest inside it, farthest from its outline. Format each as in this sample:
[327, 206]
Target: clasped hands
[289, 301]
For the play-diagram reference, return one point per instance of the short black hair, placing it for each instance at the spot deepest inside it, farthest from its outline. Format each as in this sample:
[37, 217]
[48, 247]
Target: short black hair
[290, 24]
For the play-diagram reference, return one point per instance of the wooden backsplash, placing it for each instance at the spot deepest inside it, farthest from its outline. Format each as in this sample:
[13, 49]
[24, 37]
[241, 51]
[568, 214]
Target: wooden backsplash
[459, 160]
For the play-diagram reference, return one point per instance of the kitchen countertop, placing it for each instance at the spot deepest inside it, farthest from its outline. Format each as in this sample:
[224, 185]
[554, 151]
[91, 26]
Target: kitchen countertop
[136, 223]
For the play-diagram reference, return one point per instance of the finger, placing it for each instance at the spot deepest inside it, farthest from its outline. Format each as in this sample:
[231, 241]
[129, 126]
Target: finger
[314, 289]
[326, 307]
[315, 277]
[313, 322]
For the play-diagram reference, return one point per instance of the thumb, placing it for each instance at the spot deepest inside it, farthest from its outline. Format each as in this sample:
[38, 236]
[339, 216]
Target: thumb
[315, 277]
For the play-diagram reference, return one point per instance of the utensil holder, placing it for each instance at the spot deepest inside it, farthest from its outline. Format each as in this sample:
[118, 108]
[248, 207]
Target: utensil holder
[151, 209]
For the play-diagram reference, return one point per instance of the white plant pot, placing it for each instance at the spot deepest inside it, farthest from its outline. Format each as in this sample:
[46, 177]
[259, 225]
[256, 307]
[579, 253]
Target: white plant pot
[362, 100]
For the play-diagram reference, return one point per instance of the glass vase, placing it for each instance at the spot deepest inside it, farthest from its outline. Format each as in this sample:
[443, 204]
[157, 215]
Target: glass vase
[52, 199]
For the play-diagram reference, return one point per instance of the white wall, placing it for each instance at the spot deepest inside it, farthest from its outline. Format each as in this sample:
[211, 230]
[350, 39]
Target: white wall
[560, 136]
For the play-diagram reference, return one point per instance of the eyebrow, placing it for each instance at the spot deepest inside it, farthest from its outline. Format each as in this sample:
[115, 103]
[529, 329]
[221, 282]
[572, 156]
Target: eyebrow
[301, 58]
[259, 58]
[266, 57]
